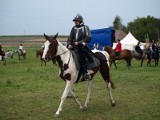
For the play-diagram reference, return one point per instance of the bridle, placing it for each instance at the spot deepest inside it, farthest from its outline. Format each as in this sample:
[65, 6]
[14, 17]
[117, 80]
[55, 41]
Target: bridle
[54, 56]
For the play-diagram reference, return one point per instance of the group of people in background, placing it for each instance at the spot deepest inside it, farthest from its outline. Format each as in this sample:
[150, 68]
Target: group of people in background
[118, 48]
[2, 53]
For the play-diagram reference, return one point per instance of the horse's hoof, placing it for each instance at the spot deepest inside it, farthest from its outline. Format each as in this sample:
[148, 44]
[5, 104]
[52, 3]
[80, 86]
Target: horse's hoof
[84, 108]
[56, 115]
[81, 109]
[113, 103]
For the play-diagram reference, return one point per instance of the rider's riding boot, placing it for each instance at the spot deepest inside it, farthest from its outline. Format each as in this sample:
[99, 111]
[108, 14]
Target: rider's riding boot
[86, 75]
[117, 55]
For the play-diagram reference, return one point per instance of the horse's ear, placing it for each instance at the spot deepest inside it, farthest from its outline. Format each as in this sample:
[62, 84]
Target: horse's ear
[55, 36]
[47, 38]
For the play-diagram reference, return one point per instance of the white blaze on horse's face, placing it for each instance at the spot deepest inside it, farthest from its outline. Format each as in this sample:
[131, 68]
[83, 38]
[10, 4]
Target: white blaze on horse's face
[46, 47]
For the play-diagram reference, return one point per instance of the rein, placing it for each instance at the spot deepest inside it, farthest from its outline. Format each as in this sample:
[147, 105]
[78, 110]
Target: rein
[59, 54]
[62, 54]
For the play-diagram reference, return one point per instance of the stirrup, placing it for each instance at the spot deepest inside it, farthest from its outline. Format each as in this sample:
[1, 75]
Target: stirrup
[87, 76]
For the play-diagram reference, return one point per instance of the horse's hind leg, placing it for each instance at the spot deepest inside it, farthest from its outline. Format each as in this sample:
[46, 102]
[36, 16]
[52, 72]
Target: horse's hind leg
[128, 62]
[115, 65]
[109, 85]
[104, 70]
[156, 62]
[149, 62]
[89, 93]
[142, 62]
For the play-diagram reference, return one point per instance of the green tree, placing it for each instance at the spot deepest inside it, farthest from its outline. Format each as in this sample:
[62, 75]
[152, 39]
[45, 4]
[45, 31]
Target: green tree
[117, 23]
[141, 27]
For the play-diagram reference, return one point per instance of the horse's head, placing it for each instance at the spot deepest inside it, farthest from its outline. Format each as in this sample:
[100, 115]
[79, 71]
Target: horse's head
[108, 49]
[50, 47]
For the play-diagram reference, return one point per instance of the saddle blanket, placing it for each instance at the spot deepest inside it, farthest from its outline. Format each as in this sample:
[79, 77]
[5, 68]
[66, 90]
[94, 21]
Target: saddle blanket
[95, 62]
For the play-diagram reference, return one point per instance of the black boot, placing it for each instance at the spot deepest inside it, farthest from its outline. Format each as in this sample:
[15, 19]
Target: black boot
[86, 75]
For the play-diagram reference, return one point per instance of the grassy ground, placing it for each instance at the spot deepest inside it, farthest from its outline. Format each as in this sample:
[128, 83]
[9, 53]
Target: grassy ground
[31, 92]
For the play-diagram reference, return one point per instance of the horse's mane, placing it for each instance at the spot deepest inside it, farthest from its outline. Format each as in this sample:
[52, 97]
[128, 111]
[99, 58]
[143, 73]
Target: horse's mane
[108, 49]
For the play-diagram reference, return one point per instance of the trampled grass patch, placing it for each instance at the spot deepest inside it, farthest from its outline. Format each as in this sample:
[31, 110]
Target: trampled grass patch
[31, 92]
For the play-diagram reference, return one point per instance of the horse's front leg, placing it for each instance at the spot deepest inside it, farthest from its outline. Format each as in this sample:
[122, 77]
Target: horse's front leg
[142, 61]
[4, 62]
[75, 98]
[89, 82]
[69, 84]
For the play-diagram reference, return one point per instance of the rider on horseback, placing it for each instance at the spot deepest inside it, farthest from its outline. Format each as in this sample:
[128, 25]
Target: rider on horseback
[2, 52]
[21, 48]
[154, 47]
[79, 36]
[118, 49]
[138, 49]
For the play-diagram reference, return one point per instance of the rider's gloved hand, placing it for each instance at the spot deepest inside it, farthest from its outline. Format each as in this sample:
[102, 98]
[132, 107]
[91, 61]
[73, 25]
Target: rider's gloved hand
[75, 43]
[70, 46]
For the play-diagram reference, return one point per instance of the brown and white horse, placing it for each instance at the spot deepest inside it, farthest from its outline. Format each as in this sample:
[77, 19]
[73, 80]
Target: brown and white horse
[20, 53]
[138, 56]
[69, 73]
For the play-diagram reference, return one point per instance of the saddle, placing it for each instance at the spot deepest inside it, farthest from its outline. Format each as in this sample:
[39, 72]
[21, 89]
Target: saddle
[138, 49]
[90, 65]
[21, 51]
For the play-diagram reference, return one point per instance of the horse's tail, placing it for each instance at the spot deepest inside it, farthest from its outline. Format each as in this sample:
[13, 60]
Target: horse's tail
[107, 57]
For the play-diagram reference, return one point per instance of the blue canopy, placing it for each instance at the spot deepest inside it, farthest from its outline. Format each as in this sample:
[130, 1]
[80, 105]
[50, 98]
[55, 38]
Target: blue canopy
[103, 37]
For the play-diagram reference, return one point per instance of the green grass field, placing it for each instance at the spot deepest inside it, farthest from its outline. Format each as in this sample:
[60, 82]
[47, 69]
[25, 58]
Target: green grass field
[31, 92]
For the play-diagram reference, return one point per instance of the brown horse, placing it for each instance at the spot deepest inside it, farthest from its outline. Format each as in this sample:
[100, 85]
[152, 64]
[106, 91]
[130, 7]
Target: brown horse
[124, 55]
[69, 72]
[39, 54]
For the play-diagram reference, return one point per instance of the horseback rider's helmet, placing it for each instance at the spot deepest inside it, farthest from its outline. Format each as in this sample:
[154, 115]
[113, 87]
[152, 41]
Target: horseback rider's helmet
[78, 18]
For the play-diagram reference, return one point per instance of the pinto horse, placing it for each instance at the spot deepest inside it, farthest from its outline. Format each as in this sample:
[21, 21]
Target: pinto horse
[9, 54]
[20, 53]
[125, 54]
[138, 56]
[69, 73]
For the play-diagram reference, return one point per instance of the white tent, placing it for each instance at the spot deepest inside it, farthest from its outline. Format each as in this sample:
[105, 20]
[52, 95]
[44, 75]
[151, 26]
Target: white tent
[129, 41]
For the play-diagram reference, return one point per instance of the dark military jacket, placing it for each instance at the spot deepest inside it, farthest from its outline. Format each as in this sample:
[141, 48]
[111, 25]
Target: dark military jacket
[79, 34]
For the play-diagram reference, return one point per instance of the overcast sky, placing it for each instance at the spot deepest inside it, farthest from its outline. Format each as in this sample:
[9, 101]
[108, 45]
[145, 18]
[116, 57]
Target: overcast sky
[35, 17]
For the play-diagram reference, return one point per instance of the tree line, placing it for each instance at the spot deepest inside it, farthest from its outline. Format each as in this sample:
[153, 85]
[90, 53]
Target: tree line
[144, 28]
